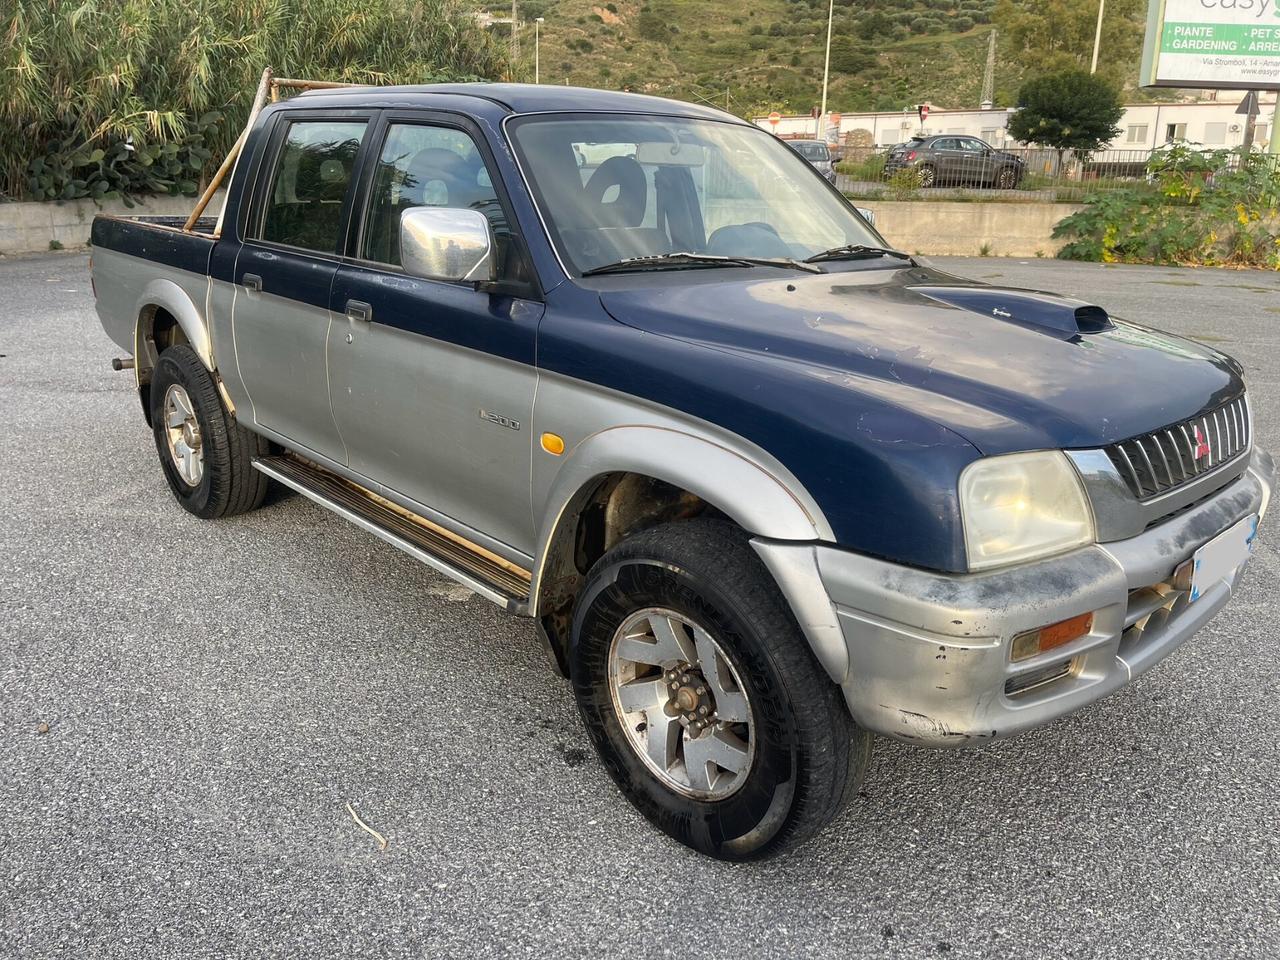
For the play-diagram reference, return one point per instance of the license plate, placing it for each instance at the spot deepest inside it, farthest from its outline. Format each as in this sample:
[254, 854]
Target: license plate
[1219, 558]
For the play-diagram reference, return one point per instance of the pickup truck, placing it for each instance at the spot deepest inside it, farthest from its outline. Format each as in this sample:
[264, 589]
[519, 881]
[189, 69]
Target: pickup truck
[765, 486]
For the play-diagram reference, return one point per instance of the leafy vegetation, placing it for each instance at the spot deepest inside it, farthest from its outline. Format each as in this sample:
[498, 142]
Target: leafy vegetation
[1195, 210]
[161, 88]
[122, 169]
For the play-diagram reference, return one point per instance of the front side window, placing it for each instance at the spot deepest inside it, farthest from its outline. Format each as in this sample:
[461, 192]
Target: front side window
[313, 170]
[648, 186]
[429, 166]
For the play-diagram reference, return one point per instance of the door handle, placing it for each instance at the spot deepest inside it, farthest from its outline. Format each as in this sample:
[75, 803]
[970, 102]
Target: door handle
[251, 281]
[359, 312]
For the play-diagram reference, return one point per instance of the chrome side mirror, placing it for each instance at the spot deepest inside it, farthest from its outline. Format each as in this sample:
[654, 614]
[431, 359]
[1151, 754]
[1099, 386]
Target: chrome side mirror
[446, 243]
[867, 215]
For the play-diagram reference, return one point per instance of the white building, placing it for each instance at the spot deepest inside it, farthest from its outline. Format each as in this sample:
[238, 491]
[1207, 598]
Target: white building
[1144, 126]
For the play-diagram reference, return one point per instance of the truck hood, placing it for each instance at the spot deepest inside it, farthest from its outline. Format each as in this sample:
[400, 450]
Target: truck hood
[1006, 369]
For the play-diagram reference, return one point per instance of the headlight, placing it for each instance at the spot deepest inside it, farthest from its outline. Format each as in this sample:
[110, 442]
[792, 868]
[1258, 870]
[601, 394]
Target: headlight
[1022, 507]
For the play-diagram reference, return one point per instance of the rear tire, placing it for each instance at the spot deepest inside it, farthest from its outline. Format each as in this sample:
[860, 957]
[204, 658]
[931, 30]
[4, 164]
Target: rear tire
[928, 175]
[206, 456]
[777, 756]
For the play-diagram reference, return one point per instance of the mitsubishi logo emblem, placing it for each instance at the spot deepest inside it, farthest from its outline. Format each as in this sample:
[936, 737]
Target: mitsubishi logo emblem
[1202, 445]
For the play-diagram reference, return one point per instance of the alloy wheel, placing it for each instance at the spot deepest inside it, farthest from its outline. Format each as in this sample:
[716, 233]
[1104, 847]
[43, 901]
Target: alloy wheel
[182, 432]
[681, 704]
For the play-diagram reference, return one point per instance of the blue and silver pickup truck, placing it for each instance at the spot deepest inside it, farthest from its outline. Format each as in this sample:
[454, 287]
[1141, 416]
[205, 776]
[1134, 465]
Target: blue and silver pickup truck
[634, 370]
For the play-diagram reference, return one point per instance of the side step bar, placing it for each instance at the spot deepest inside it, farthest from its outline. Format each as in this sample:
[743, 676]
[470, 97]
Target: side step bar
[489, 575]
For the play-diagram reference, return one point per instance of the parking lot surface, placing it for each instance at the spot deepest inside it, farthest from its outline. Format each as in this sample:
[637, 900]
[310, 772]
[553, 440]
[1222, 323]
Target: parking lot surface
[214, 695]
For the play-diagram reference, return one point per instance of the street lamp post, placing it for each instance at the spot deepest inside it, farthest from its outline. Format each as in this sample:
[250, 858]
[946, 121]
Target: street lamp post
[1097, 36]
[826, 72]
[537, 51]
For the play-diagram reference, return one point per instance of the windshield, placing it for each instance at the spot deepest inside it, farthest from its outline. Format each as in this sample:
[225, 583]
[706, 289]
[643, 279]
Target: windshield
[613, 188]
[812, 151]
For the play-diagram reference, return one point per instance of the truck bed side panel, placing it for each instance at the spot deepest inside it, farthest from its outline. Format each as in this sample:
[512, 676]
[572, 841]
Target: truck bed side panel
[130, 254]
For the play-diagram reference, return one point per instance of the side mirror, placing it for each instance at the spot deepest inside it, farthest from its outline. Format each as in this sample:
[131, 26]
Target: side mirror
[446, 243]
[867, 215]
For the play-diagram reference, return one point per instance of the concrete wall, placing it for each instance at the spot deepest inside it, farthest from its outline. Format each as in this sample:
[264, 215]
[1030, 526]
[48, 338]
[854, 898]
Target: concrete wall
[941, 227]
[917, 226]
[29, 227]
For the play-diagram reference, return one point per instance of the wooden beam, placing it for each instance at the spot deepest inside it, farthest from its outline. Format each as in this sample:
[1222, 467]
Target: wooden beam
[228, 162]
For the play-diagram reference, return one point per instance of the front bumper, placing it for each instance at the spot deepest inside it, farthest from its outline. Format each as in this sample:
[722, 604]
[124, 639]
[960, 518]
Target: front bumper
[924, 657]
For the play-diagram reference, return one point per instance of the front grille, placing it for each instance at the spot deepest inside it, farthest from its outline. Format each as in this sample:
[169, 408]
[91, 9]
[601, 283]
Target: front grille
[1160, 461]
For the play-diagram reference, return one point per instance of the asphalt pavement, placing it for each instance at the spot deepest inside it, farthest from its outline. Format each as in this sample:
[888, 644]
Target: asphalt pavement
[189, 711]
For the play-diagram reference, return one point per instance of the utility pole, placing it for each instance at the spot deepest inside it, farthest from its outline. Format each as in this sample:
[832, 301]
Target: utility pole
[537, 49]
[826, 71]
[1097, 36]
[515, 40]
[989, 76]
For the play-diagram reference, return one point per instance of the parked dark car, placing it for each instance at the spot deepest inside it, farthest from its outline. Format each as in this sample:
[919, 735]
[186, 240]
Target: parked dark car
[817, 153]
[956, 160]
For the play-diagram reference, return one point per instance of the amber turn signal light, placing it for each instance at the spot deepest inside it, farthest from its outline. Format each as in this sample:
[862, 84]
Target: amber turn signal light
[1046, 638]
[553, 443]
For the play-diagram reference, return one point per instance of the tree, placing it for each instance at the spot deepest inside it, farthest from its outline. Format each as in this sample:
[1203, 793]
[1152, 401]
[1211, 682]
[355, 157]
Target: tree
[1071, 110]
[1046, 36]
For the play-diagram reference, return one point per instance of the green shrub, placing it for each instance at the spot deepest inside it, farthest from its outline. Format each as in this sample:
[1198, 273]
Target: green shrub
[869, 167]
[904, 183]
[67, 171]
[1194, 211]
[652, 25]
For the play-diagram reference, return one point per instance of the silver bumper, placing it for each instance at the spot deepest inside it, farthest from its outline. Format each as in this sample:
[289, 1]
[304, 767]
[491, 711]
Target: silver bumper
[924, 657]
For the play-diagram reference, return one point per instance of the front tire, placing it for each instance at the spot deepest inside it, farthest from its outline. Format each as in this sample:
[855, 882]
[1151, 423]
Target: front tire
[703, 699]
[207, 457]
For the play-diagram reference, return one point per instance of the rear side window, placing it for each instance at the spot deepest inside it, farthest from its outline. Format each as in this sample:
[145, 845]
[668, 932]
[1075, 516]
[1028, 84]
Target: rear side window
[313, 170]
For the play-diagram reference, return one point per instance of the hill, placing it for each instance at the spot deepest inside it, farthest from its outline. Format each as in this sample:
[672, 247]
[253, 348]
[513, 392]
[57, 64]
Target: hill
[768, 54]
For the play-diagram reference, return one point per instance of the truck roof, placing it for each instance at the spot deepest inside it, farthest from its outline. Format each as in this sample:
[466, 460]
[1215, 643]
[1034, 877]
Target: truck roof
[528, 98]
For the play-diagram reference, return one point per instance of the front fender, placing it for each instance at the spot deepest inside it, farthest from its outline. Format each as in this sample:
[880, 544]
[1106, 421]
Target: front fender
[752, 496]
[177, 302]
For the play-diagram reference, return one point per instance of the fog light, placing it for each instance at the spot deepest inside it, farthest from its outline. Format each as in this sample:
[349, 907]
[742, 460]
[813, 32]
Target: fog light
[1047, 638]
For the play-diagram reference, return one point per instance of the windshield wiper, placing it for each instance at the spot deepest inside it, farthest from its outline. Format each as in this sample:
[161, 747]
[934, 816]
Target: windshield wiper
[683, 260]
[857, 251]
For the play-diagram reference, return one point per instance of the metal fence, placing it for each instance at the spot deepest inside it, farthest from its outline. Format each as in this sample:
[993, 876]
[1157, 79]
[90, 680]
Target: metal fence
[1037, 173]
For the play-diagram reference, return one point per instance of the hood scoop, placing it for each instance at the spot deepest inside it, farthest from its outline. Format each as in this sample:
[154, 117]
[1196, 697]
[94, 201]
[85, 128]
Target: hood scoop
[1062, 317]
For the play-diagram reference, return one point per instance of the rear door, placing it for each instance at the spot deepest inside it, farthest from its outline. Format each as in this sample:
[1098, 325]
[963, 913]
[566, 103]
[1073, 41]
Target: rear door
[433, 382]
[285, 270]
[947, 158]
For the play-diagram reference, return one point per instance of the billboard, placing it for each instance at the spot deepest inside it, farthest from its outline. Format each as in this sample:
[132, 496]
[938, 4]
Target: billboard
[1215, 44]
